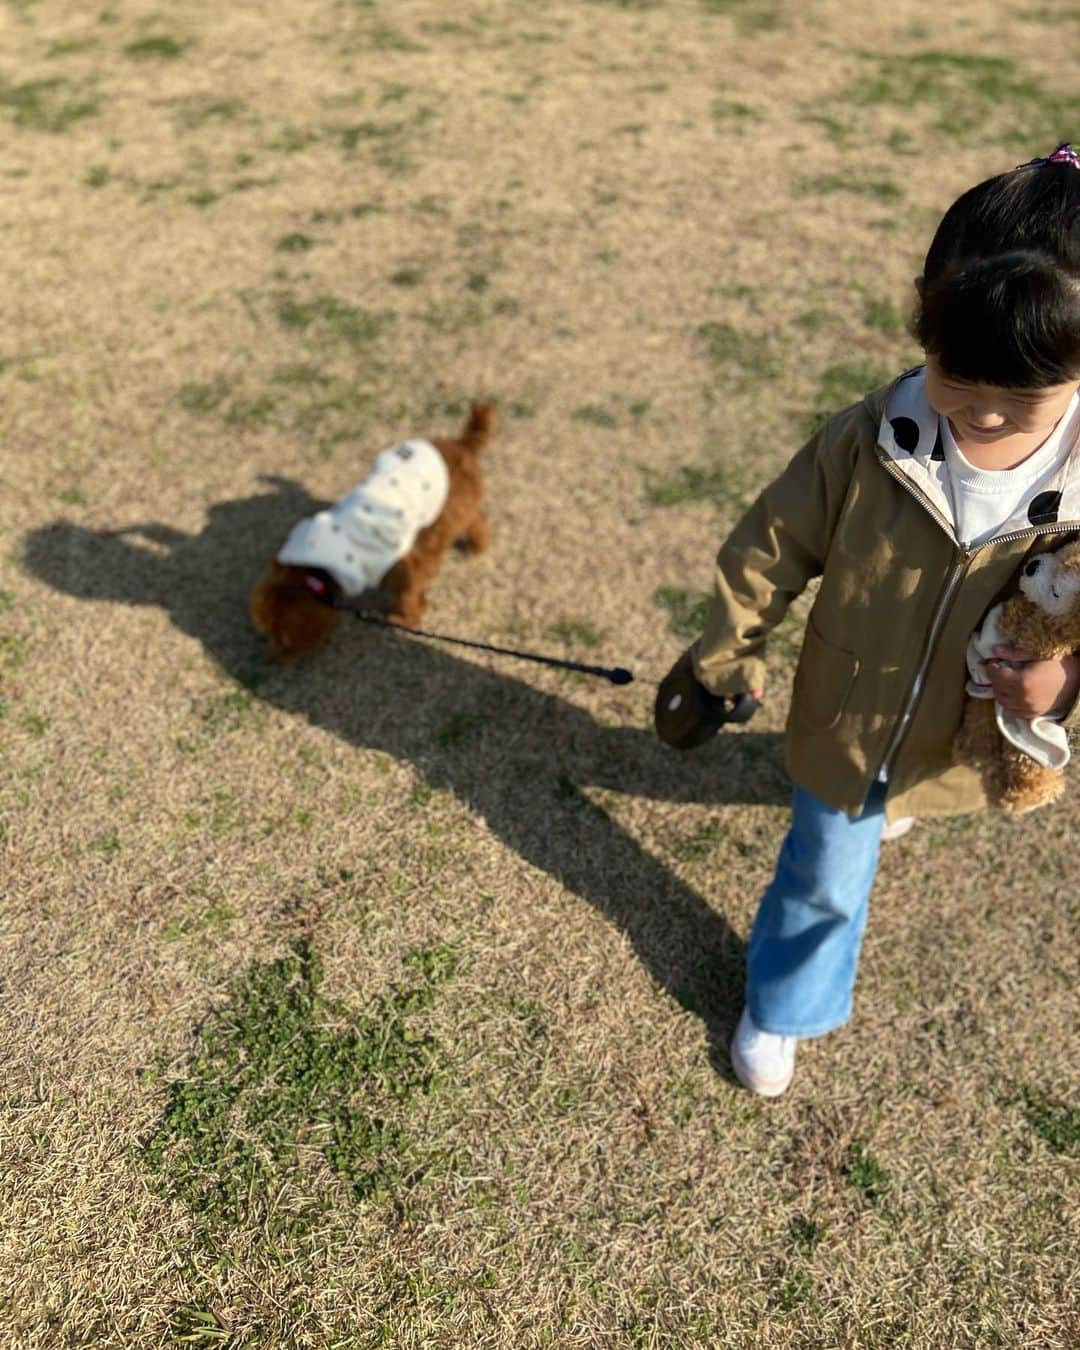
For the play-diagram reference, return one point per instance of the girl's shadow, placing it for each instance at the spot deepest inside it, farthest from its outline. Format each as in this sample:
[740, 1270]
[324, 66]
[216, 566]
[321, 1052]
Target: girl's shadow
[518, 756]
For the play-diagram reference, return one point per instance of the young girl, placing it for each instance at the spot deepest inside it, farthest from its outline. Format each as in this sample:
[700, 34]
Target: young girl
[916, 507]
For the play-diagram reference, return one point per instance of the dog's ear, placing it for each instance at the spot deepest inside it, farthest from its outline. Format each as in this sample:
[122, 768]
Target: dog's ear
[301, 628]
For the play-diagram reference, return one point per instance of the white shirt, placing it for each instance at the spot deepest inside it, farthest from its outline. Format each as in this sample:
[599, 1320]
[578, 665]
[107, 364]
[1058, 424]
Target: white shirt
[983, 500]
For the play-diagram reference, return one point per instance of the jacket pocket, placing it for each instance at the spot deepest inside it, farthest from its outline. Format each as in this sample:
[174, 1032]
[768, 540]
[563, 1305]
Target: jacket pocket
[823, 681]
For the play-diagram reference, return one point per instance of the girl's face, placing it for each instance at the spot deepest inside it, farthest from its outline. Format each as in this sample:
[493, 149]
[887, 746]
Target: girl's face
[985, 414]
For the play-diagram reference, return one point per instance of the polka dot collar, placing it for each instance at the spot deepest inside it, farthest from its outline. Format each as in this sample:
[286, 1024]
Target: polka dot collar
[909, 435]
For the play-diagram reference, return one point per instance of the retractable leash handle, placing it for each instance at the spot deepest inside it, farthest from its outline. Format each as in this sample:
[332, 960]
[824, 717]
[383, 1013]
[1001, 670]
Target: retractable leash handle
[686, 715]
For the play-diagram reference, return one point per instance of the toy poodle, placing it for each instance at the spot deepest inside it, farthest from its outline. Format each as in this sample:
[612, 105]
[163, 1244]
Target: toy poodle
[385, 540]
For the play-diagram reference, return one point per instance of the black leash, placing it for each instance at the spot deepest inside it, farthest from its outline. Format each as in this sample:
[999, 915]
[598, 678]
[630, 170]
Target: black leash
[616, 674]
[685, 714]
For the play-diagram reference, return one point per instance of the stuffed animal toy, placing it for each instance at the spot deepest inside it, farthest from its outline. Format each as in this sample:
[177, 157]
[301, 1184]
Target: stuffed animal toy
[385, 540]
[1022, 760]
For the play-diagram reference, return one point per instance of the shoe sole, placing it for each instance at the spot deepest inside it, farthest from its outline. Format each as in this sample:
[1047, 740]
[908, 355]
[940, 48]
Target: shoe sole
[762, 1087]
[897, 829]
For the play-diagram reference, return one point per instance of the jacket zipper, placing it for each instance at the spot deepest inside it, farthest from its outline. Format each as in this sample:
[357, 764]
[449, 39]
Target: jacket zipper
[917, 492]
[944, 601]
[945, 597]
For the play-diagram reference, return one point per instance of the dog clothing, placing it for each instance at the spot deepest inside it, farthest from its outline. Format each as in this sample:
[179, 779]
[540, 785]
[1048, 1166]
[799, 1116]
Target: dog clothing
[362, 536]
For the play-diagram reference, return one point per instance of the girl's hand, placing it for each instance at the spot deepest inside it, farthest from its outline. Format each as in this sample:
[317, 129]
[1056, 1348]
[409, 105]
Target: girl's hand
[1026, 686]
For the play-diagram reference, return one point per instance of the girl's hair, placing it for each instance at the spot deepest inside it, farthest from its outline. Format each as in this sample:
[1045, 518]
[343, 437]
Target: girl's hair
[999, 300]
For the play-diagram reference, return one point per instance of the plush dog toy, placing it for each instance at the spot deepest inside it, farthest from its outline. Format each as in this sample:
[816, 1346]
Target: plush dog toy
[385, 539]
[1022, 760]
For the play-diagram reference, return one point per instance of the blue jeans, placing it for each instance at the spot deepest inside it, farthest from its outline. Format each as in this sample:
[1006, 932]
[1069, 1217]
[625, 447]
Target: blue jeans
[804, 946]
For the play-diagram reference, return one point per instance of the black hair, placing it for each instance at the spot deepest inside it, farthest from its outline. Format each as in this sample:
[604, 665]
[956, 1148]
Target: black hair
[999, 299]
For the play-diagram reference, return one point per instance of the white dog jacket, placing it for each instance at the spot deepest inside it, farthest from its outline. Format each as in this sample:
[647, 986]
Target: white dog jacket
[360, 538]
[1045, 740]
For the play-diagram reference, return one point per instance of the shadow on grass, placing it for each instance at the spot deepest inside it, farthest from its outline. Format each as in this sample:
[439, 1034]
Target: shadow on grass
[518, 756]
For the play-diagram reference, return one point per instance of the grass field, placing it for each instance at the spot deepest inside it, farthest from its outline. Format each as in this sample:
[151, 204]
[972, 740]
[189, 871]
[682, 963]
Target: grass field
[383, 1000]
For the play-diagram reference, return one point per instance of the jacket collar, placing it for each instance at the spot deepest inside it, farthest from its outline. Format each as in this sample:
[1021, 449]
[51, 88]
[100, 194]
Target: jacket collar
[909, 439]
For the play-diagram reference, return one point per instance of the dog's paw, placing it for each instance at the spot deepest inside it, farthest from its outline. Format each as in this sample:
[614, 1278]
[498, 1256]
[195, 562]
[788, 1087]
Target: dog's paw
[477, 537]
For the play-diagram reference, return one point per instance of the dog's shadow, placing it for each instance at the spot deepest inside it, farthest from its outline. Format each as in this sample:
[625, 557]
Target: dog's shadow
[520, 757]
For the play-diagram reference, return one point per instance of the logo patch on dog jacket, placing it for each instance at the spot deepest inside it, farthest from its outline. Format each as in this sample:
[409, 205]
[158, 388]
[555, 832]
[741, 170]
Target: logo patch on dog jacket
[360, 538]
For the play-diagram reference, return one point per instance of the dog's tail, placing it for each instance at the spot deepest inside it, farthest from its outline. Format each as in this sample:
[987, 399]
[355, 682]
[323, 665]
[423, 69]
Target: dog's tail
[478, 428]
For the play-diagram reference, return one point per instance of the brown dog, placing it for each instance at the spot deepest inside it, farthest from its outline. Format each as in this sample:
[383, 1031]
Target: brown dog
[385, 540]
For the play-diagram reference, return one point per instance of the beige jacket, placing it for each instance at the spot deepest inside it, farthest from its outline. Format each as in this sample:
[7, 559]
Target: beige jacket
[880, 681]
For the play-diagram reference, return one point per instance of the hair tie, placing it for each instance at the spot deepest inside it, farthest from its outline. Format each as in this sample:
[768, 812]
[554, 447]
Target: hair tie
[1064, 154]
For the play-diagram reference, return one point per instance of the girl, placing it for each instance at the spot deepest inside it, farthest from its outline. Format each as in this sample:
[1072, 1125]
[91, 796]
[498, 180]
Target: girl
[916, 507]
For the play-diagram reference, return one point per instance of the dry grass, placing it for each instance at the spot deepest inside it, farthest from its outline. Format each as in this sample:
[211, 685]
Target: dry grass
[245, 247]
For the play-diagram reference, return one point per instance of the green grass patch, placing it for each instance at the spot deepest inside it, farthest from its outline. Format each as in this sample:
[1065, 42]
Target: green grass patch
[383, 37]
[302, 375]
[335, 319]
[727, 110]
[203, 398]
[351, 137]
[250, 411]
[107, 842]
[1055, 1122]
[71, 47]
[805, 1234]
[729, 349]
[838, 131]
[35, 725]
[577, 632]
[228, 711]
[750, 16]
[388, 142]
[704, 840]
[290, 1098]
[197, 111]
[595, 416]
[157, 47]
[881, 314]
[340, 412]
[291, 140]
[636, 6]
[211, 921]
[194, 1323]
[686, 610]
[866, 1174]
[13, 650]
[840, 385]
[880, 189]
[968, 96]
[23, 364]
[46, 105]
[724, 485]
[794, 1289]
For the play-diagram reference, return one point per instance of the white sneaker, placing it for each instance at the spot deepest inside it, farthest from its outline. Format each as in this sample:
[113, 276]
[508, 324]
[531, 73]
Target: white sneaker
[764, 1063]
[898, 827]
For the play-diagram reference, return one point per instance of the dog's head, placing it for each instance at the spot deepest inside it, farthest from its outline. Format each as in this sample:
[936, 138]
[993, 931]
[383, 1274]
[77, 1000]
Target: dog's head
[288, 609]
[1052, 581]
